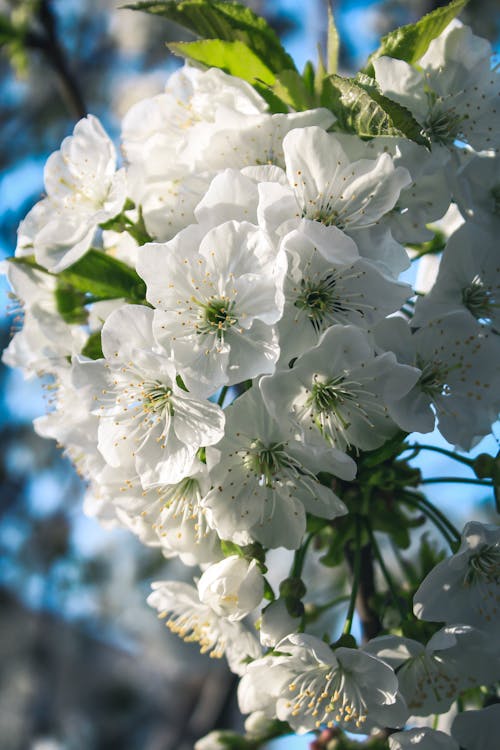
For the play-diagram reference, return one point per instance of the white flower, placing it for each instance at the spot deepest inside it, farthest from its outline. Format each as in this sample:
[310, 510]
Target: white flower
[431, 676]
[261, 486]
[347, 197]
[454, 91]
[164, 136]
[169, 516]
[460, 368]
[422, 739]
[276, 623]
[465, 587]
[71, 424]
[337, 393]
[422, 202]
[477, 730]
[194, 621]
[147, 424]
[309, 685]
[217, 296]
[45, 341]
[232, 587]
[467, 281]
[476, 189]
[83, 190]
[321, 291]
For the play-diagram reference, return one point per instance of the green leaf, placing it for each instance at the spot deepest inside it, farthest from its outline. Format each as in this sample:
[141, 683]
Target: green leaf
[360, 108]
[70, 304]
[225, 21]
[410, 42]
[294, 91]
[103, 277]
[332, 44]
[232, 57]
[93, 347]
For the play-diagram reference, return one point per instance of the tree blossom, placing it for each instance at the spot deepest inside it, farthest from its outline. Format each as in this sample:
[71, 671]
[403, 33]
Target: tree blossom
[147, 424]
[83, 190]
[310, 685]
[453, 93]
[337, 394]
[460, 366]
[477, 730]
[193, 620]
[465, 587]
[217, 296]
[232, 587]
[431, 676]
[466, 281]
[262, 487]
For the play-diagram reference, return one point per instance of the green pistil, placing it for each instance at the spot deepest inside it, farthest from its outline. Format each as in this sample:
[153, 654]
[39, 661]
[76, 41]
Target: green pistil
[317, 299]
[484, 564]
[478, 299]
[157, 398]
[217, 316]
[266, 460]
[328, 397]
[433, 378]
[442, 126]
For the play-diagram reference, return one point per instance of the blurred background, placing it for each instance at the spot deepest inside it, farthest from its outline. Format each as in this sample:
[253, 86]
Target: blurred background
[84, 663]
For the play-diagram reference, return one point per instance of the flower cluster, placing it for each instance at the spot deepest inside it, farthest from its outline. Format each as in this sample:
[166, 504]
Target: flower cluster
[228, 338]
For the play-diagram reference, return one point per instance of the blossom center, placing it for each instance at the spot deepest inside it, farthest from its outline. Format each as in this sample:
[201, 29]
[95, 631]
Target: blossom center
[442, 125]
[318, 300]
[479, 299]
[156, 397]
[217, 316]
[266, 461]
[484, 565]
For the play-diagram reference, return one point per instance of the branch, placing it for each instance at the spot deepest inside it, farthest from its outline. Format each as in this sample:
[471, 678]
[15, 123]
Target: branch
[49, 45]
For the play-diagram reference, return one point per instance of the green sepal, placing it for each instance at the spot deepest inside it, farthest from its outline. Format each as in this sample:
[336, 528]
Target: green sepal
[410, 42]
[230, 548]
[391, 448]
[346, 640]
[93, 346]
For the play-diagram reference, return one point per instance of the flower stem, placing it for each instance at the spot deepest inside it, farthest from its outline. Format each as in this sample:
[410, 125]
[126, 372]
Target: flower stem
[456, 480]
[356, 579]
[436, 517]
[385, 572]
[300, 557]
[443, 451]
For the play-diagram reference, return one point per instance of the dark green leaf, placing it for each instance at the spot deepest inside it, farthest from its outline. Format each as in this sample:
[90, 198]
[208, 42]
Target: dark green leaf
[225, 21]
[93, 347]
[360, 108]
[291, 89]
[412, 41]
